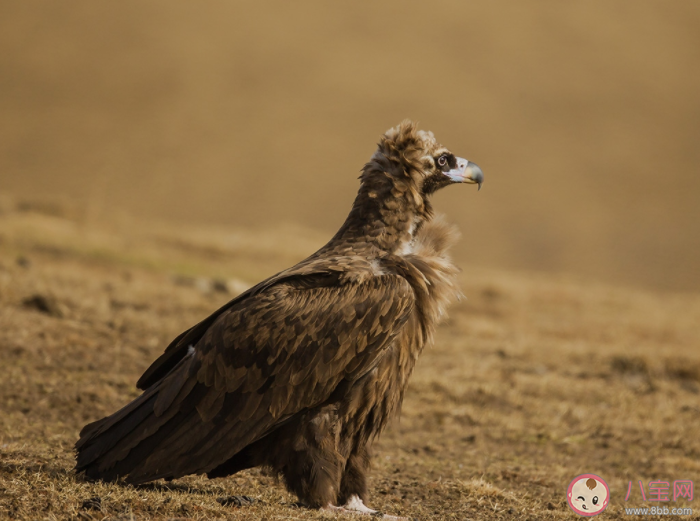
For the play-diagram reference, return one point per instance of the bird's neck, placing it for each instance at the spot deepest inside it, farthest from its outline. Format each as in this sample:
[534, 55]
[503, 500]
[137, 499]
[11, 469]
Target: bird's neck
[384, 217]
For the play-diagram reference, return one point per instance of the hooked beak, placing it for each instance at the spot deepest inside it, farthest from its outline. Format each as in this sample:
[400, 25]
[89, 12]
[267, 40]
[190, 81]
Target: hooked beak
[466, 172]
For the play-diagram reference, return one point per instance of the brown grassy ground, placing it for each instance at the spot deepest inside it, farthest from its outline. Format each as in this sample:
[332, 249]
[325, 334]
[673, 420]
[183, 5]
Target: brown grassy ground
[532, 381]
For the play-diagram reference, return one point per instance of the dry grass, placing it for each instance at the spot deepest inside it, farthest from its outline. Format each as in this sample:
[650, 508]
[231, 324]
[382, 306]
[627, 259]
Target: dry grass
[533, 380]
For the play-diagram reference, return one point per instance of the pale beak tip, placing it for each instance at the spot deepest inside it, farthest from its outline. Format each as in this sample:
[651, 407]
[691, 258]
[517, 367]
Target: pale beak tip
[475, 174]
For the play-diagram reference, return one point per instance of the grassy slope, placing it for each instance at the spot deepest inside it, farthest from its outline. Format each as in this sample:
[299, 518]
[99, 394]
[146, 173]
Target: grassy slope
[532, 380]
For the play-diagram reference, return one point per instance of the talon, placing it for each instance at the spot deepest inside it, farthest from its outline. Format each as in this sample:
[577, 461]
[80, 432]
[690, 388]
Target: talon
[355, 504]
[357, 507]
[333, 508]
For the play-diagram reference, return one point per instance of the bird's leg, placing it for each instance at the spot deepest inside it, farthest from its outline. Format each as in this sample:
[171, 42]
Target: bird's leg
[354, 481]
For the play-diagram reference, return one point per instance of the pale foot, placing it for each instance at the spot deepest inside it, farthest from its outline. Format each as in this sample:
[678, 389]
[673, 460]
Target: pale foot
[357, 507]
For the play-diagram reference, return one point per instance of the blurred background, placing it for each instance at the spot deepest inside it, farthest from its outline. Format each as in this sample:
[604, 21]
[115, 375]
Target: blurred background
[584, 116]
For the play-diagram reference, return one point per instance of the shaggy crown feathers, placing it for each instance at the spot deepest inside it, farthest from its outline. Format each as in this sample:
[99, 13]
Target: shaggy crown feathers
[409, 149]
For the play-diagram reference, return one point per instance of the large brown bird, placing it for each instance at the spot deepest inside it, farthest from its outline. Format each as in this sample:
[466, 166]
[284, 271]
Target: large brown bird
[301, 372]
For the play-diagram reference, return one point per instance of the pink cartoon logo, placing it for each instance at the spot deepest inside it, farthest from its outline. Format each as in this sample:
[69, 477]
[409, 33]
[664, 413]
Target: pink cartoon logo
[588, 495]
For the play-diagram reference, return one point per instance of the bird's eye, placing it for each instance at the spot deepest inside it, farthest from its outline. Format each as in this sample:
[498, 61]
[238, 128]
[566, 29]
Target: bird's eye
[442, 160]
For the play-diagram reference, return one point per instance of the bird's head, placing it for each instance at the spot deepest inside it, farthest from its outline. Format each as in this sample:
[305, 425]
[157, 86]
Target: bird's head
[393, 200]
[414, 158]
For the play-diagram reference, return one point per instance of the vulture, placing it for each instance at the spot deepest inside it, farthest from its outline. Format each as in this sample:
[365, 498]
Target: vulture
[300, 373]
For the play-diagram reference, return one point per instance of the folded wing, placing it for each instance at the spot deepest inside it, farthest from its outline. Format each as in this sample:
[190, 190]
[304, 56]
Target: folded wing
[266, 357]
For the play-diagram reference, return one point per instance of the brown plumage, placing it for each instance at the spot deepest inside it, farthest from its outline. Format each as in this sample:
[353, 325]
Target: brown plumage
[302, 371]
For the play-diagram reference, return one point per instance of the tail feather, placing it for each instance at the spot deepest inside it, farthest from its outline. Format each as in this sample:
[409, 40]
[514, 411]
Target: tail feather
[98, 438]
[175, 428]
[145, 464]
[132, 457]
[88, 432]
[114, 446]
